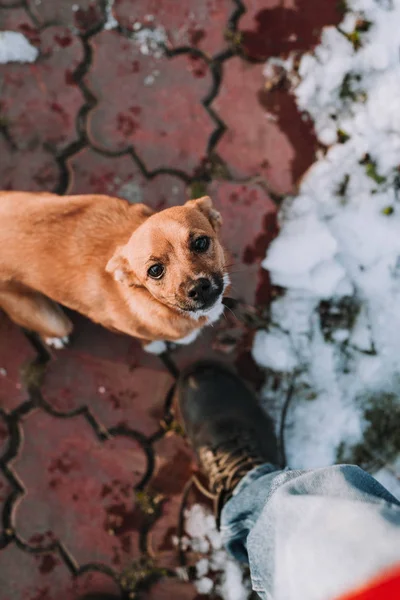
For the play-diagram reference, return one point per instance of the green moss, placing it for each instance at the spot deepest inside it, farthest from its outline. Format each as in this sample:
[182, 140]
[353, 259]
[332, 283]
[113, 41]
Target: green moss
[140, 575]
[371, 170]
[344, 184]
[217, 168]
[197, 189]
[388, 210]
[234, 37]
[347, 89]
[150, 504]
[355, 37]
[32, 374]
[176, 427]
[343, 137]
[381, 441]
[373, 173]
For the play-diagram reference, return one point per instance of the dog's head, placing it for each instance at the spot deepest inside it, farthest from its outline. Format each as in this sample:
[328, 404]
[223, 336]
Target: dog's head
[176, 255]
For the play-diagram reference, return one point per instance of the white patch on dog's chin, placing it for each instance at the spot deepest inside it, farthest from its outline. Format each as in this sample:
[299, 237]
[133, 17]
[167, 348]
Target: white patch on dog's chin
[215, 312]
[212, 314]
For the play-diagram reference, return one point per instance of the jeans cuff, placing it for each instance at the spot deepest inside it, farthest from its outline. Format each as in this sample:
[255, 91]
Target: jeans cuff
[254, 474]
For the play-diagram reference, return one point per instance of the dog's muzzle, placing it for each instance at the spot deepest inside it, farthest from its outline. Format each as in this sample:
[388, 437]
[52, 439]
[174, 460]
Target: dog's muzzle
[204, 292]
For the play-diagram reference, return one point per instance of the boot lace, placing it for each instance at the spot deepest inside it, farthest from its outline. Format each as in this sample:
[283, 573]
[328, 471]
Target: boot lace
[227, 463]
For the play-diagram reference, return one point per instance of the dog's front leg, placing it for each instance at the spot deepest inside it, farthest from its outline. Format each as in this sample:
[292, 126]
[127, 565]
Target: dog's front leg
[159, 347]
[155, 347]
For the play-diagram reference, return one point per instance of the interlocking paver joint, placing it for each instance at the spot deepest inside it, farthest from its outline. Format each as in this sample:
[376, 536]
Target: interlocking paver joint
[149, 505]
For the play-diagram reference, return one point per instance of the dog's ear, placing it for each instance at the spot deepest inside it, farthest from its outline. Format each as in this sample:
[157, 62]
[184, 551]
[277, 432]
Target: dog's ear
[118, 266]
[205, 205]
[145, 210]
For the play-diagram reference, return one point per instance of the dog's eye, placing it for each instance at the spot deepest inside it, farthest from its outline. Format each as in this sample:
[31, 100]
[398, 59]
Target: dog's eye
[156, 271]
[201, 244]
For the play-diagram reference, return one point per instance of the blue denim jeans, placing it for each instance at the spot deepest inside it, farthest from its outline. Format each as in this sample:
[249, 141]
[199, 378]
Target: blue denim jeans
[312, 535]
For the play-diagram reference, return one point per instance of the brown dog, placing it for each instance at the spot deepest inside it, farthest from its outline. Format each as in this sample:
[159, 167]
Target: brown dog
[155, 276]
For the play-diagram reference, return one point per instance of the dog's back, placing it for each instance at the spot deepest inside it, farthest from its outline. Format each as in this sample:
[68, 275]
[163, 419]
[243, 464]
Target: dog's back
[46, 238]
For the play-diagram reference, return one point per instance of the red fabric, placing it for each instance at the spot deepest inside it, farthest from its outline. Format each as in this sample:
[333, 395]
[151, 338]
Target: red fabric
[386, 587]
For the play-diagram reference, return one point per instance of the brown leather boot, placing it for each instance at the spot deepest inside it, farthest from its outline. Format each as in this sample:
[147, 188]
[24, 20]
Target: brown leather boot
[229, 431]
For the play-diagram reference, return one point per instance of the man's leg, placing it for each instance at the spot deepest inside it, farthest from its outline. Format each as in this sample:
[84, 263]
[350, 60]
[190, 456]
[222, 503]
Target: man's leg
[307, 535]
[312, 534]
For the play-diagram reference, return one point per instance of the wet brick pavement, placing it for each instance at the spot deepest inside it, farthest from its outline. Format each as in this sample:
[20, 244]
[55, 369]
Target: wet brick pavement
[154, 101]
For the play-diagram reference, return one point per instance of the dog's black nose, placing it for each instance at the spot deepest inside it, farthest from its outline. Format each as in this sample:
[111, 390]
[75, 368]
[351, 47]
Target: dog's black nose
[201, 291]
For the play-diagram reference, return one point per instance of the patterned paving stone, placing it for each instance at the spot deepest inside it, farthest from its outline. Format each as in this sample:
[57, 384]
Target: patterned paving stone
[162, 537]
[38, 107]
[79, 490]
[4, 437]
[116, 394]
[30, 170]
[92, 172]
[17, 19]
[158, 107]
[200, 24]
[228, 341]
[45, 577]
[278, 27]
[249, 225]
[121, 384]
[270, 139]
[175, 463]
[15, 351]
[165, 589]
[40, 101]
[88, 338]
[9, 3]
[84, 15]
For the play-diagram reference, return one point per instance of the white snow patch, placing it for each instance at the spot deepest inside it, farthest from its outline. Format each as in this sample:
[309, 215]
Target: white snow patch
[111, 21]
[151, 40]
[204, 585]
[273, 349]
[14, 47]
[338, 251]
[216, 572]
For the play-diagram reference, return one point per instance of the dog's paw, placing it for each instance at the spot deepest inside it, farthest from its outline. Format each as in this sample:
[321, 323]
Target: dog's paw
[57, 343]
[188, 339]
[156, 347]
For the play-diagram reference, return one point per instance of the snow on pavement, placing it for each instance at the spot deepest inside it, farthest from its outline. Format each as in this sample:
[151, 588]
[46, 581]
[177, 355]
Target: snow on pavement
[216, 572]
[338, 251]
[14, 47]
